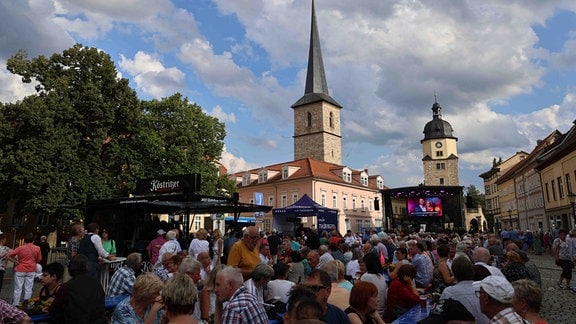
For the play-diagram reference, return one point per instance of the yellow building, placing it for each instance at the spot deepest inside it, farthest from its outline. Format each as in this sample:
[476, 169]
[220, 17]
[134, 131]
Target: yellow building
[557, 168]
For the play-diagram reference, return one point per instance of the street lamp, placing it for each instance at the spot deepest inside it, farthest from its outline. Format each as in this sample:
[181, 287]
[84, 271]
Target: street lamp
[510, 217]
[572, 198]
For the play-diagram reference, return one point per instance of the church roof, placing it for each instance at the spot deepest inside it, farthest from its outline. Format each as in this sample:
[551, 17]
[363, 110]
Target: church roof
[316, 86]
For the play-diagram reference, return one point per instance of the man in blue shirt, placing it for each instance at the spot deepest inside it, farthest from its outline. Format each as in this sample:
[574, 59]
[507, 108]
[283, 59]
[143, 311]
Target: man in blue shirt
[123, 279]
[319, 281]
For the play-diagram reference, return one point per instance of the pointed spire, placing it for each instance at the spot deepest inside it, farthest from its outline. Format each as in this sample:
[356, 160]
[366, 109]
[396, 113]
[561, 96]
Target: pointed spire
[436, 109]
[316, 88]
[316, 77]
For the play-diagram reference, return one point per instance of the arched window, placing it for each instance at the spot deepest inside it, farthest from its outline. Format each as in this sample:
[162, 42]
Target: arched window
[331, 120]
[309, 120]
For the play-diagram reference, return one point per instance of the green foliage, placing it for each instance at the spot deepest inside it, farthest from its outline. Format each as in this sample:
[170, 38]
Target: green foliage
[86, 135]
[474, 198]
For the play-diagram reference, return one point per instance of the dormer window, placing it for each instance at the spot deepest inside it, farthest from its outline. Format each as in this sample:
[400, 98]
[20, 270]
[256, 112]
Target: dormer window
[364, 179]
[285, 173]
[262, 176]
[380, 183]
[246, 179]
[347, 175]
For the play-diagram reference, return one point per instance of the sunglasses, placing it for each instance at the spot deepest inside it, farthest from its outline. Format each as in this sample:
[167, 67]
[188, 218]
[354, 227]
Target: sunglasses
[316, 288]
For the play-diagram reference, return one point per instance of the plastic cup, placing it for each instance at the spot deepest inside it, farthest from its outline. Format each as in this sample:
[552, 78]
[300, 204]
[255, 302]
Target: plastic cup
[423, 302]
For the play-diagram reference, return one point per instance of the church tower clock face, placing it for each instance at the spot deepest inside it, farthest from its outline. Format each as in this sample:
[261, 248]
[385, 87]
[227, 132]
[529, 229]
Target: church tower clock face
[438, 144]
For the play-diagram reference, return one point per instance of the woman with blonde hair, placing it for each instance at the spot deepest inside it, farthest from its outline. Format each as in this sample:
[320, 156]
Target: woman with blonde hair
[179, 296]
[217, 247]
[145, 303]
[199, 243]
[209, 308]
[527, 301]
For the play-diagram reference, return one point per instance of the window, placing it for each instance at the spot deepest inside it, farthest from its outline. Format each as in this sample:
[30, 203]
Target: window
[568, 184]
[440, 166]
[197, 223]
[347, 175]
[246, 180]
[362, 205]
[380, 183]
[262, 177]
[285, 173]
[266, 224]
[271, 201]
[334, 201]
[294, 197]
[553, 185]
[441, 181]
[309, 120]
[284, 201]
[331, 120]
[367, 223]
[439, 153]
[323, 199]
[364, 180]
[353, 203]
[560, 187]
[344, 203]
[359, 225]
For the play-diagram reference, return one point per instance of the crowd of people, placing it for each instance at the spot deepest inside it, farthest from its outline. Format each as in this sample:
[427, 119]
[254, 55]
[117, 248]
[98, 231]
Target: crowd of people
[250, 277]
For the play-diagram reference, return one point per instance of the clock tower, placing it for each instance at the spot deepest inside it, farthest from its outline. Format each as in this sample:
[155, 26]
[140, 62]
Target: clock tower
[439, 151]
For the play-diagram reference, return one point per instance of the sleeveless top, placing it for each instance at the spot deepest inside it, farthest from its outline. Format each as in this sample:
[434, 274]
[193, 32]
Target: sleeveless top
[369, 319]
[88, 249]
[45, 293]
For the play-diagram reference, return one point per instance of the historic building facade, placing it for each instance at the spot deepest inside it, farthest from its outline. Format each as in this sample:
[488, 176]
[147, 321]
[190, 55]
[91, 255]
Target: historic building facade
[317, 168]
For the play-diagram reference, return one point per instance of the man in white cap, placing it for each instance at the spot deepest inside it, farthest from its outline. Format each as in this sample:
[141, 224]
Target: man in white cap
[154, 246]
[495, 296]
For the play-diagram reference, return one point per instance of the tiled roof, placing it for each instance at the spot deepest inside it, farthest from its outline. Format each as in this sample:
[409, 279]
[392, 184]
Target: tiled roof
[311, 168]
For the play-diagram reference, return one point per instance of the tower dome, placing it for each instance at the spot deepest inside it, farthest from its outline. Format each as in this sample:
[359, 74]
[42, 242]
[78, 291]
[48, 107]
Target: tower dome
[437, 127]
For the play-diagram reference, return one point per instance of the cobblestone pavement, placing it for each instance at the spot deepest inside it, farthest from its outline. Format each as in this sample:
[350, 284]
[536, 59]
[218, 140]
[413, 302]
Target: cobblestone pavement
[559, 306]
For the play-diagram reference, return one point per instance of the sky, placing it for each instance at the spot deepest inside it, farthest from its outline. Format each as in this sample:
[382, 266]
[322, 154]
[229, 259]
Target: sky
[503, 71]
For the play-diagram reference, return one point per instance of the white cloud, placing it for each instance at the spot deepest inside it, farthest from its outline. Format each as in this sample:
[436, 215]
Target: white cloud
[13, 88]
[234, 163]
[222, 116]
[151, 77]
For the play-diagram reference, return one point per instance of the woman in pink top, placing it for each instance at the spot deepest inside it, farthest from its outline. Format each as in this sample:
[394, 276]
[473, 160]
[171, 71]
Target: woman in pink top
[25, 258]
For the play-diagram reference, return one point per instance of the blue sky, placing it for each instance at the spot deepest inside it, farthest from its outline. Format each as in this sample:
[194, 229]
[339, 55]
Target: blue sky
[504, 71]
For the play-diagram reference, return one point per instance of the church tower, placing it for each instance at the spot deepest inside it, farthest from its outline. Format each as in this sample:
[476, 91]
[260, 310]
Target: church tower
[439, 151]
[316, 114]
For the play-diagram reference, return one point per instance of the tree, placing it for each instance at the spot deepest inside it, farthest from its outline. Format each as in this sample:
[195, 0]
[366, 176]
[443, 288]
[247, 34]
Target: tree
[474, 198]
[85, 135]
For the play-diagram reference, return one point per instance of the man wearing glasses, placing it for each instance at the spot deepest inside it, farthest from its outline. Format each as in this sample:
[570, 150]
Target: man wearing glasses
[319, 281]
[245, 254]
[495, 295]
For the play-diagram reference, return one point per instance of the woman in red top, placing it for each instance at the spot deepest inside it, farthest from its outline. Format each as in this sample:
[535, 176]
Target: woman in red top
[25, 258]
[402, 293]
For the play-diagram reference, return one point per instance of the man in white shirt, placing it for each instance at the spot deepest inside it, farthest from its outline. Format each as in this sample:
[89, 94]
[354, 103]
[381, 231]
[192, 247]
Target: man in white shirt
[171, 245]
[481, 256]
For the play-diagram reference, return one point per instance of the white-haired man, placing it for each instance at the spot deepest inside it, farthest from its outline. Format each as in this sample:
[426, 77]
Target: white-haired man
[243, 307]
[171, 245]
